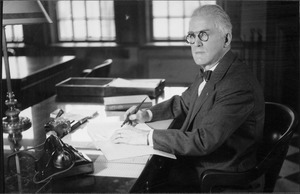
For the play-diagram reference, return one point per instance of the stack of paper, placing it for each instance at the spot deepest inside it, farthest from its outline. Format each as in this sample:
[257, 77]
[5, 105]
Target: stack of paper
[101, 131]
[136, 83]
[122, 103]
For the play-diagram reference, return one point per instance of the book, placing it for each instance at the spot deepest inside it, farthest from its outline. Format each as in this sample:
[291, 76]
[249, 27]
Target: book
[122, 103]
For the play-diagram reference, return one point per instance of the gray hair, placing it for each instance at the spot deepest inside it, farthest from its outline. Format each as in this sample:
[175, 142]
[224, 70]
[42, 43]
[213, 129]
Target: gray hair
[222, 20]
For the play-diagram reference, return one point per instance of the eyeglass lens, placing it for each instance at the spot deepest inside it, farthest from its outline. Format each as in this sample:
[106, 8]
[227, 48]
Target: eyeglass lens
[191, 38]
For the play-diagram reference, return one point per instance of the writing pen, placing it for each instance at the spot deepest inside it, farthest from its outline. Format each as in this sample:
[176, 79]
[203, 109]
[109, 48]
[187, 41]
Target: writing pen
[133, 112]
[78, 123]
[81, 121]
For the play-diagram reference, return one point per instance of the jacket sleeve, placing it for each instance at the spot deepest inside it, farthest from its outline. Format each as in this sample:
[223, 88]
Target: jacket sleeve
[174, 107]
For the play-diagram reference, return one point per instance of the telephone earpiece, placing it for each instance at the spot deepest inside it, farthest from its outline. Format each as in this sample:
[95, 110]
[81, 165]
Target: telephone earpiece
[62, 157]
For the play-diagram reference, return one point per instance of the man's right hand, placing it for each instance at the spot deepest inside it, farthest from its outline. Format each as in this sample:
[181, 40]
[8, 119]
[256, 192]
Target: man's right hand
[141, 116]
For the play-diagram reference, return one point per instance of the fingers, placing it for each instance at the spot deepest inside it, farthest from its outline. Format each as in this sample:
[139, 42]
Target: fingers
[120, 136]
[129, 135]
[141, 116]
[130, 110]
[133, 117]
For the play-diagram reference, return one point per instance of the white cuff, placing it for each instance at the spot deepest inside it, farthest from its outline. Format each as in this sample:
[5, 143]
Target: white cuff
[150, 114]
[150, 138]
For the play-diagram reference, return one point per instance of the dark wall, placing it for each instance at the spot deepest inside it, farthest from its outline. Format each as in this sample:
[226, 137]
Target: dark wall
[266, 36]
[282, 57]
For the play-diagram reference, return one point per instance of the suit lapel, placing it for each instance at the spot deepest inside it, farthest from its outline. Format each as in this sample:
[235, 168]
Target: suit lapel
[216, 76]
[194, 98]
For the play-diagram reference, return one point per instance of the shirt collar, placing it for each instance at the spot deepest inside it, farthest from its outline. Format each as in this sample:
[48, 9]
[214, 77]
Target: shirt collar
[213, 68]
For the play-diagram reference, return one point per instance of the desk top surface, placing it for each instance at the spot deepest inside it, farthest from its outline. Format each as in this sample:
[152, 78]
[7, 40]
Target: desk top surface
[39, 114]
[23, 66]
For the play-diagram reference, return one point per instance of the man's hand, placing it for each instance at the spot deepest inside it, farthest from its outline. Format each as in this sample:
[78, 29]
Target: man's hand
[141, 116]
[130, 135]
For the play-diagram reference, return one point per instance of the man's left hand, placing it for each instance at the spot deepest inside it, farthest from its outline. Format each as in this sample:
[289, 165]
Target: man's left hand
[130, 135]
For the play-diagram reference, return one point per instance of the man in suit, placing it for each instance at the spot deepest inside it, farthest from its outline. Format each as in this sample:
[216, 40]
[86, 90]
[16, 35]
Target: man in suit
[223, 113]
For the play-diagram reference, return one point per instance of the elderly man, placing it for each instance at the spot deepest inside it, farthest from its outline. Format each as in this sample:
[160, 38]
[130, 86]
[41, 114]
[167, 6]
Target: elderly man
[223, 109]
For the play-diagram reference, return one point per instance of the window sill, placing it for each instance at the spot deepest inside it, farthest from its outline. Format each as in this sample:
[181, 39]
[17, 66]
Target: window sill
[84, 44]
[15, 45]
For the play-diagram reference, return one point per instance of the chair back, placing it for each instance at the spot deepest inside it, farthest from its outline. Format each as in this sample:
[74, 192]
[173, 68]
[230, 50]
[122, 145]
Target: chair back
[280, 125]
[101, 70]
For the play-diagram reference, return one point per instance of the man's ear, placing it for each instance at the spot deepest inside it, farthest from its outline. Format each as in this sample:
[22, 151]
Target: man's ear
[228, 39]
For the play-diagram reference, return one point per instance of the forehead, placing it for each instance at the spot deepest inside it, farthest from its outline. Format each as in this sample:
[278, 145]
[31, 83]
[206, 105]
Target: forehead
[200, 23]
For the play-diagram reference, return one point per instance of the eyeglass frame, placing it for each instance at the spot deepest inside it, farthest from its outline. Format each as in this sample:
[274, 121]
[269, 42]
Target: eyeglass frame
[191, 33]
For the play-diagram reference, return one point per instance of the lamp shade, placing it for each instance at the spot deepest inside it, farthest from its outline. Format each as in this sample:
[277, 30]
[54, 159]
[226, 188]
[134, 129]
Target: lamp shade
[24, 12]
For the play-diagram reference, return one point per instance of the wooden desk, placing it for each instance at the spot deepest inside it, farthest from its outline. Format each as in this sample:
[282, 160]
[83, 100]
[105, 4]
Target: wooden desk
[34, 78]
[39, 115]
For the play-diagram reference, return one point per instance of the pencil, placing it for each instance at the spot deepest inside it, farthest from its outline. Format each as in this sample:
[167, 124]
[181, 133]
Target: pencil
[133, 112]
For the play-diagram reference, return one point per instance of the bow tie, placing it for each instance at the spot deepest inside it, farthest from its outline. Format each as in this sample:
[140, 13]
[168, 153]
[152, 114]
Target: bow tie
[206, 74]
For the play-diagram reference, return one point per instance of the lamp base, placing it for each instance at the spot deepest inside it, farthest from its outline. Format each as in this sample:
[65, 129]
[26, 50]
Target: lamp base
[12, 123]
[22, 124]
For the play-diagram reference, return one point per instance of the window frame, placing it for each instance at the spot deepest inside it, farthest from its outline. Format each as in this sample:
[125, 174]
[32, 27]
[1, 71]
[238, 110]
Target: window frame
[150, 35]
[14, 34]
[54, 29]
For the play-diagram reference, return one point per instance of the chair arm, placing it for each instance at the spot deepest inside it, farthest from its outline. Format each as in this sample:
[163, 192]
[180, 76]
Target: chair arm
[213, 178]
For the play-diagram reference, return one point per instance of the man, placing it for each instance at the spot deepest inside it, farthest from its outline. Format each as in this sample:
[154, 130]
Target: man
[223, 115]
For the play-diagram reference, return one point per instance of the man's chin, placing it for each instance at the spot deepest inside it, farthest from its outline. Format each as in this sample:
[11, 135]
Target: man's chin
[201, 63]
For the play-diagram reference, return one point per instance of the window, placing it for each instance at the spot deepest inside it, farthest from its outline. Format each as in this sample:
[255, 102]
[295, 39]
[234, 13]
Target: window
[14, 33]
[170, 19]
[86, 20]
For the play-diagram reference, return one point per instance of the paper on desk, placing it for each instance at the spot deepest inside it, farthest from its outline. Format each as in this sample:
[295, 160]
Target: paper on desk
[128, 168]
[101, 131]
[138, 83]
[78, 138]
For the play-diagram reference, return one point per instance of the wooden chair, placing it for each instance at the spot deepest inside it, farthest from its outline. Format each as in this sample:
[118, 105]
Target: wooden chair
[101, 70]
[280, 125]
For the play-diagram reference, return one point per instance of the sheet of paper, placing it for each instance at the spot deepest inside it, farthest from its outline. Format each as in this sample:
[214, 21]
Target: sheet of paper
[140, 83]
[128, 167]
[80, 138]
[101, 131]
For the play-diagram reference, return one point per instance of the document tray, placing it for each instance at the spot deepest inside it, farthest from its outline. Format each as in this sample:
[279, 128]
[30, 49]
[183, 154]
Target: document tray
[79, 89]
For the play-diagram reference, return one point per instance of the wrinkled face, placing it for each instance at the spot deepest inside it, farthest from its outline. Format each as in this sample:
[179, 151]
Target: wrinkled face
[208, 52]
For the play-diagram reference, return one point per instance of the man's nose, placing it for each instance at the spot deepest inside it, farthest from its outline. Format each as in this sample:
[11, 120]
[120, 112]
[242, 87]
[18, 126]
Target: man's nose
[198, 42]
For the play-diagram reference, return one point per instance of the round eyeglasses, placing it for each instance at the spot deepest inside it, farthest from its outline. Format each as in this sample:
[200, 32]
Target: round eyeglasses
[191, 37]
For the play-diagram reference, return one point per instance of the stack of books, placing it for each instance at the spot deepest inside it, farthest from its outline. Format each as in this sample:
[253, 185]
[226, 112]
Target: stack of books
[122, 103]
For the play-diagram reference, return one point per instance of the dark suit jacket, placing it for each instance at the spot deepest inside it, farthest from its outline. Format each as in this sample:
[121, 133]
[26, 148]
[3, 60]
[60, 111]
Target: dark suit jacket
[222, 126]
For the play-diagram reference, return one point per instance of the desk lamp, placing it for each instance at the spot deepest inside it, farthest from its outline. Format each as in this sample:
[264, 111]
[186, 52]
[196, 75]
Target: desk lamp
[18, 12]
